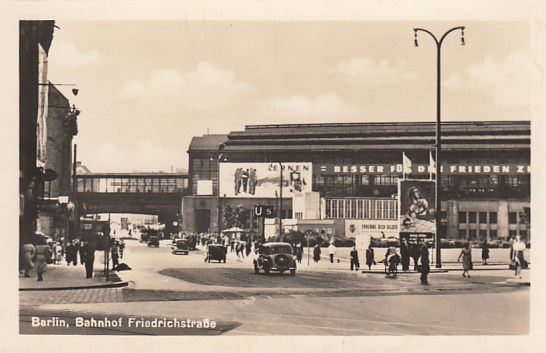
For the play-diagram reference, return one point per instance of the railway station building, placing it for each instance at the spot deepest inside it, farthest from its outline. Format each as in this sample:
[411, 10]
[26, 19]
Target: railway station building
[340, 179]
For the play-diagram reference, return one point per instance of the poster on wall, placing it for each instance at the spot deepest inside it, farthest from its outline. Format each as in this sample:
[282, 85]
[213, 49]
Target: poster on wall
[417, 199]
[376, 228]
[264, 179]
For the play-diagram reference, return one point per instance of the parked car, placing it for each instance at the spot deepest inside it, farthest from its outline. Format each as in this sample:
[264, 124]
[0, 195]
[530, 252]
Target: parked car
[180, 247]
[275, 257]
[153, 241]
[216, 252]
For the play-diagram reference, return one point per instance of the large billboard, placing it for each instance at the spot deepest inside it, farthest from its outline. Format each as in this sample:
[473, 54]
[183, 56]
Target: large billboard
[264, 179]
[417, 201]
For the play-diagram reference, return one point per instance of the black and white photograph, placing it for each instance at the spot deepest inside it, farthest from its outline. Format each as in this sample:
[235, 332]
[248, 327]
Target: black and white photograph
[345, 177]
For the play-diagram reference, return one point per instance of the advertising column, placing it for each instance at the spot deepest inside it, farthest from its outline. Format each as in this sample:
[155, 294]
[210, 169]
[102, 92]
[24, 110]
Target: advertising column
[417, 213]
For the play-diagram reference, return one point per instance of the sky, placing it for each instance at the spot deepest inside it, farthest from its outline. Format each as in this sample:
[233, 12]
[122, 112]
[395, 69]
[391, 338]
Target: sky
[147, 87]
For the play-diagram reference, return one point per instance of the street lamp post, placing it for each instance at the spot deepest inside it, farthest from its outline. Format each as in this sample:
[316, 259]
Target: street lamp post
[280, 204]
[438, 205]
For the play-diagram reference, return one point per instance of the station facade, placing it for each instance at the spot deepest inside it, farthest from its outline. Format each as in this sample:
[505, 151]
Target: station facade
[342, 179]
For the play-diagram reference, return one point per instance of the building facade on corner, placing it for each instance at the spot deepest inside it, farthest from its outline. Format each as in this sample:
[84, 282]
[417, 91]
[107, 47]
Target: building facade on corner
[341, 180]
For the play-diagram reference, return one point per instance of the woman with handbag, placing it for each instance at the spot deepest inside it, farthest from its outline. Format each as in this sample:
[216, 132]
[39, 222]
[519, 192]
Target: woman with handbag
[43, 257]
[518, 258]
[466, 254]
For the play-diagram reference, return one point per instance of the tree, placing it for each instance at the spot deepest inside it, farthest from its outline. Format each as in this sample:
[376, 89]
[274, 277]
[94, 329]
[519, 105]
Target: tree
[235, 216]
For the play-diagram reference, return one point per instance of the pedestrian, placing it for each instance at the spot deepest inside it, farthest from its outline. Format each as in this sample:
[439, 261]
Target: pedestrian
[316, 253]
[405, 255]
[43, 257]
[299, 252]
[370, 257]
[248, 247]
[28, 253]
[81, 251]
[114, 250]
[355, 264]
[121, 248]
[518, 257]
[88, 251]
[415, 252]
[332, 252]
[425, 263]
[466, 254]
[57, 253]
[485, 252]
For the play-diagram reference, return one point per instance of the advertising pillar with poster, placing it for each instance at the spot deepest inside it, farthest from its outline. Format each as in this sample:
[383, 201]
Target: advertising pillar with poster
[417, 214]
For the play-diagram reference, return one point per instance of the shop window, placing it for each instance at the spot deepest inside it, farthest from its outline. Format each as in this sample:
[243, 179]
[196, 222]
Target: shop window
[472, 233]
[483, 234]
[512, 233]
[462, 233]
[493, 233]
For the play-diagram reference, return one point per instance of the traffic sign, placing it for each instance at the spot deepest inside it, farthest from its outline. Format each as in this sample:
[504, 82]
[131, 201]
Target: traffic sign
[264, 211]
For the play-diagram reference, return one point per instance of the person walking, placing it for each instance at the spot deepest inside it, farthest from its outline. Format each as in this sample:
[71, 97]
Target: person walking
[466, 254]
[370, 257]
[518, 257]
[88, 258]
[115, 255]
[405, 255]
[415, 252]
[425, 263]
[485, 252]
[121, 248]
[57, 253]
[355, 264]
[299, 252]
[332, 252]
[28, 252]
[43, 256]
[316, 253]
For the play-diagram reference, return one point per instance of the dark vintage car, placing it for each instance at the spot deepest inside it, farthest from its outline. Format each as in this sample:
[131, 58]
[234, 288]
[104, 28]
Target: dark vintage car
[216, 252]
[153, 241]
[275, 257]
[180, 246]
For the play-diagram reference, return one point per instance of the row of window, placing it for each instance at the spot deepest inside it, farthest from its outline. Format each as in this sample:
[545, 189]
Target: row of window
[481, 234]
[384, 209]
[104, 185]
[485, 217]
[364, 185]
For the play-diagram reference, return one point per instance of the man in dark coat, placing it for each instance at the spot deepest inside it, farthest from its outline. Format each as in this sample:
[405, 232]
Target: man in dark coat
[415, 253]
[88, 250]
[316, 253]
[355, 263]
[405, 255]
[425, 263]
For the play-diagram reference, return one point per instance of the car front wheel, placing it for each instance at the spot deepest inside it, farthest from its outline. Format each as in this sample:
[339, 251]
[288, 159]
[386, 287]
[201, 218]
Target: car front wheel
[292, 272]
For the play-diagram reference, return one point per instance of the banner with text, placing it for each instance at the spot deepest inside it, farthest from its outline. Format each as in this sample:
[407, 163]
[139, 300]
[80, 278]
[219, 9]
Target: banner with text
[374, 228]
[264, 179]
[463, 169]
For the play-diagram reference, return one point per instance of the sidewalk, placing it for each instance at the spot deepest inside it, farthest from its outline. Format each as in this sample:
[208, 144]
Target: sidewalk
[60, 277]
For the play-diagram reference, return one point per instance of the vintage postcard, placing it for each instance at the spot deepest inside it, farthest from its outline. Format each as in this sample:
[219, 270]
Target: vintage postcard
[314, 176]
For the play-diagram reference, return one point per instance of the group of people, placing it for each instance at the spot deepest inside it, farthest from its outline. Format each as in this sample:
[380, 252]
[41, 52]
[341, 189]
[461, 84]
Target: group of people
[41, 252]
[422, 260]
